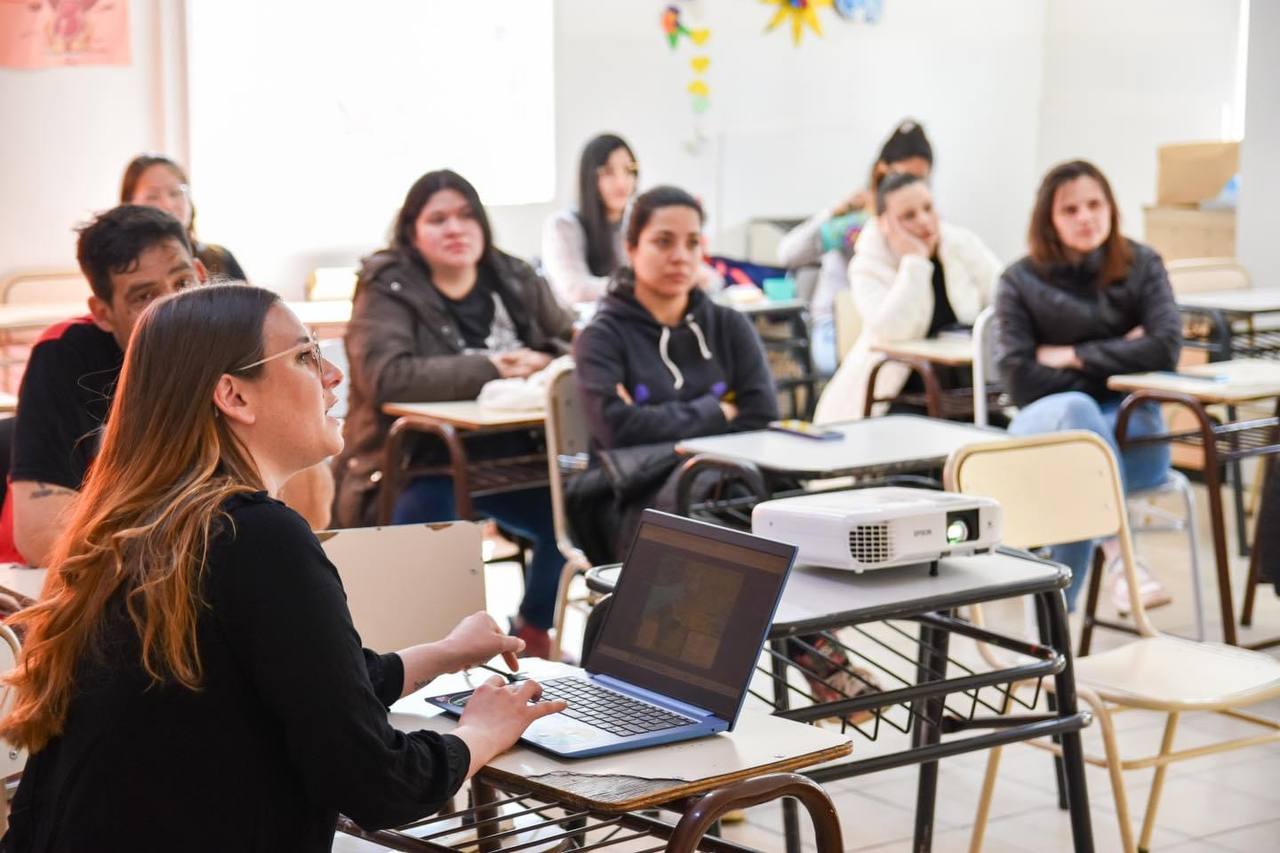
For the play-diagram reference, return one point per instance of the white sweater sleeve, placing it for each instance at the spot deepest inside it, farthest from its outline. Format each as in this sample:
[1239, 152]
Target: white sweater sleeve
[895, 304]
[564, 259]
[802, 245]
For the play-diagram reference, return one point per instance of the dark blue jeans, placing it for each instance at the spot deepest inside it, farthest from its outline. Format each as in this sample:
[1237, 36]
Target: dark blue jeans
[526, 513]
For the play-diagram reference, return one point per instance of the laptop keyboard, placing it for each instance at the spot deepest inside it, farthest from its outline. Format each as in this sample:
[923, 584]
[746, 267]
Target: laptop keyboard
[609, 710]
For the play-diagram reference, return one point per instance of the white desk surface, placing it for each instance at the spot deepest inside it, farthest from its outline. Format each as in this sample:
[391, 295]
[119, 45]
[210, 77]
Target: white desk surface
[1253, 300]
[952, 350]
[22, 581]
[640, 778]
[467, 414]
[890, 442]
[762, 306]
[1217, 382]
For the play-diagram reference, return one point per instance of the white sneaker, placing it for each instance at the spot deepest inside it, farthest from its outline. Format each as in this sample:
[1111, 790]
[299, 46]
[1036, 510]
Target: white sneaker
[1152, 591]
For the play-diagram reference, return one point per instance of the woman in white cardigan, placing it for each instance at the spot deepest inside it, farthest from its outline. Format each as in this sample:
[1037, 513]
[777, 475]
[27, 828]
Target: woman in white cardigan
[912, 276]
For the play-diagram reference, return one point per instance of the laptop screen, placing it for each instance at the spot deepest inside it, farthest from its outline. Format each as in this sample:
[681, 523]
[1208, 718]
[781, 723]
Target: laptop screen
[691, 609]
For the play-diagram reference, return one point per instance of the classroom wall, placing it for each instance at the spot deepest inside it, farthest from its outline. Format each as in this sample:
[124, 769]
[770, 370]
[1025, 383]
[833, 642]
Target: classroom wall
[1259, 215]
[1005, 87]
[1122, 78]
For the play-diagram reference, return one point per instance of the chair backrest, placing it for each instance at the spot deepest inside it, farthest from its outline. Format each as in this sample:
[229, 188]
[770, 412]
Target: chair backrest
[848, 322]
[11, 760]
[984, 362]
[331, 283]
[409, 583]
[1052, 488]
[568, 442]
[1197, 275]
[49, 286]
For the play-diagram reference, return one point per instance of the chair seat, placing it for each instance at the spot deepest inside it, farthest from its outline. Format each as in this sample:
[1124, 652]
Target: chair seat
[1169, 673]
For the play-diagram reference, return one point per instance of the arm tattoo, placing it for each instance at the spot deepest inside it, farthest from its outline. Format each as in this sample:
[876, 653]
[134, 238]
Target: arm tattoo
[45, 490]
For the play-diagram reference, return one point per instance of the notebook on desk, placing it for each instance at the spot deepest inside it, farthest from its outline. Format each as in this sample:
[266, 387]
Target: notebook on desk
[677, 647]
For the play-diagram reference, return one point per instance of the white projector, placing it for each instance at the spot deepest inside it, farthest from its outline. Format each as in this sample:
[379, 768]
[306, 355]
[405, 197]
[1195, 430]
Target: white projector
[864, 529]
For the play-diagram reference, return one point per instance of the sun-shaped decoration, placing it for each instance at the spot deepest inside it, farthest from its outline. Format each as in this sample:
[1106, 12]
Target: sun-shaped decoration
[801, 12]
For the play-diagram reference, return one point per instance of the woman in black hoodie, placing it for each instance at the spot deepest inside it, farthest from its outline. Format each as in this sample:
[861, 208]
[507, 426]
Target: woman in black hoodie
[660, 361]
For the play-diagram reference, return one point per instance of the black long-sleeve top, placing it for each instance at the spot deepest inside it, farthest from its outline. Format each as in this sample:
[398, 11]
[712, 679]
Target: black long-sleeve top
[288, 729]
[1071, 306]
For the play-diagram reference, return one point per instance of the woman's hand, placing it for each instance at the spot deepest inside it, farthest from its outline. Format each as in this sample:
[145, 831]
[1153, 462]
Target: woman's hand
[1135, 333]
[729, 410]
[478, 639]
[1058, 357]
[497, 714]
[517, 364]
[856, 201]
[901, 241]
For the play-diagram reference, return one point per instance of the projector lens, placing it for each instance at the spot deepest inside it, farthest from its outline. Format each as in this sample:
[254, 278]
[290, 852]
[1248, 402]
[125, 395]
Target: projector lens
[957, 531]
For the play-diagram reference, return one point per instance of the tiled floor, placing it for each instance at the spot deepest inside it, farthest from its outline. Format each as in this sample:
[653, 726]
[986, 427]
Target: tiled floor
[1223, 802]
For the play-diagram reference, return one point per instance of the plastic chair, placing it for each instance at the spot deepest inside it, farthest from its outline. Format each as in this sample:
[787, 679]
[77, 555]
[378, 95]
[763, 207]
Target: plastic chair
[983, 362]
[568, 441]
[45, 286]
[408, 583]
[1063, 487]
[848, 323]
[1199, 275]
[12, 760]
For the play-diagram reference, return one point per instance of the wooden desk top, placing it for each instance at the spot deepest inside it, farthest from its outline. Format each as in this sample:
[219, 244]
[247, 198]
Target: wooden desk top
[640, 778]
[467, 414]
[22, 582]
[1253, 300]
[955, 351]
[8, 402]
[1217, 382]
[763, 305]
[893, 442]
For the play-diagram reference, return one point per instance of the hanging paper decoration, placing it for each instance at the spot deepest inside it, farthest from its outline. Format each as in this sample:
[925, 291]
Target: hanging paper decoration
[801, 12]
[673, 28]
[866, 11]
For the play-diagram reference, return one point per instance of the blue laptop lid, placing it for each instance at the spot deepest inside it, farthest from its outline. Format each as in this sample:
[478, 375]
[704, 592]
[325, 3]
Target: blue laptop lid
[691, 610]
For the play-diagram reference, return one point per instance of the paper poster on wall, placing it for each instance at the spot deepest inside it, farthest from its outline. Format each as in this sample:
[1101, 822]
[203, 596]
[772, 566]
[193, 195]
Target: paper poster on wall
[58, 33]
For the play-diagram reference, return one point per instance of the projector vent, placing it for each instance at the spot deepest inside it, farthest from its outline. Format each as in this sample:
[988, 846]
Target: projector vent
[869, 543]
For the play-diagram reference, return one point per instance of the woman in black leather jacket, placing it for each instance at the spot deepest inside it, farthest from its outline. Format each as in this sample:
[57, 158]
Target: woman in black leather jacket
[1084, 305]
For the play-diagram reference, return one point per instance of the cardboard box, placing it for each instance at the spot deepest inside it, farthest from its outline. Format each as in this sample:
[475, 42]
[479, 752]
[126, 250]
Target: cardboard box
[1192, 172]
[1187, 232]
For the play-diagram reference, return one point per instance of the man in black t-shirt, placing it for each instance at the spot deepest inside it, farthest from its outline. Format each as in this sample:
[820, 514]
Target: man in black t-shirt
[131, 255]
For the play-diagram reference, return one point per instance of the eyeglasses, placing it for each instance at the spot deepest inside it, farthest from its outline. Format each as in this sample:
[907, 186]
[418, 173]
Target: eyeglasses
[311, 347]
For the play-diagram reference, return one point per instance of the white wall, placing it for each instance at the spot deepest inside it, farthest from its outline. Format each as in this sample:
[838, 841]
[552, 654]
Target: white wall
[1005, 87]
[1259, 216]
[1122, 78]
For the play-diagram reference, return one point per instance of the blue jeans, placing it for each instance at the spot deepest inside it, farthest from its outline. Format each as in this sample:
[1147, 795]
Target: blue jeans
[822, 346]
[1140, 467]
[526, 513]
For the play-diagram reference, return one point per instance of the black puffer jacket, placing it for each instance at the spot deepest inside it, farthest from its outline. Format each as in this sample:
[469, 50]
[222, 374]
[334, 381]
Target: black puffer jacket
[404, 346]
[1068, 305]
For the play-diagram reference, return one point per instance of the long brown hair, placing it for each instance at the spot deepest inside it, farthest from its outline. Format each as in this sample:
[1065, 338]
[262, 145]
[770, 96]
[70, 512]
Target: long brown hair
[133, 174]
[1042, 237]
[141, 525]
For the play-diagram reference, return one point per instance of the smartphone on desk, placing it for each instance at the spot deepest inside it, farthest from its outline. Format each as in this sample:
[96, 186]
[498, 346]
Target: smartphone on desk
[805, 429]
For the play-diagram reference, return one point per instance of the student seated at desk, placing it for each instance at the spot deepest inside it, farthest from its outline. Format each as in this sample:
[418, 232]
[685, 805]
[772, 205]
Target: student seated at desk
[192, 672]
[437, 314]
[582, 248]
[131, 256]
[913, 276]
[158, 181]
[826, 240]
[1084, 305]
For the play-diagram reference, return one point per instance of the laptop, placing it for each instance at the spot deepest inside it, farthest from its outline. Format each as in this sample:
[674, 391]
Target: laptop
[677, 647]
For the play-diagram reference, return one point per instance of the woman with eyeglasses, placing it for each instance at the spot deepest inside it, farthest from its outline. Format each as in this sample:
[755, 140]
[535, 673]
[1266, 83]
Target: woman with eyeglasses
[191, 671]
[158, 181]
[437, 314]
[583, 247]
